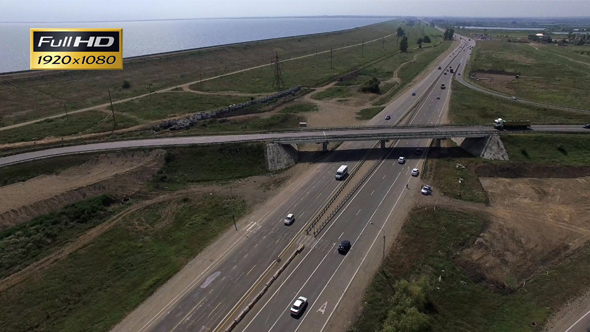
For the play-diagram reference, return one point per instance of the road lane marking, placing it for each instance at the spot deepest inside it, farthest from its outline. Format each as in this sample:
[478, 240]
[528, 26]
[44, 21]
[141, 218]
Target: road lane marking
[340, 235]
[189, 313]
[322, 309]
[384, 176]
[319, 195]
[358, 212]
[212, 311]
[372, 192]
[251, 269]
[586, 314]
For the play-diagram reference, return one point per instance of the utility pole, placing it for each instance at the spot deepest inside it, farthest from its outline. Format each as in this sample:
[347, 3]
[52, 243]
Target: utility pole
[112, 110]
[363, 49]
[233, 215]
[276, 64]
[331, 59]
[66, 108]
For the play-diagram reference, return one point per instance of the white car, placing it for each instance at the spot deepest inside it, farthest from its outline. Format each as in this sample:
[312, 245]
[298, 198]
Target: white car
[415, 172]
[426, 190]
[298, 306]
[290, 219]
[401, 160]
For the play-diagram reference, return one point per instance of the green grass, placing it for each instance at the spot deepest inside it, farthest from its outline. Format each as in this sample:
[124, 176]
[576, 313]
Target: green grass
[25, 171]
[28, 242]
[300, 108]
[368, 113]
[441, 171]
[162, 105]
[427, 248]
[472, 107]
[331, 93]
[315, 70]
[228, 125]
[545, 77]
[549, 149]
[79, 123]
[84, 292]
[211, 163]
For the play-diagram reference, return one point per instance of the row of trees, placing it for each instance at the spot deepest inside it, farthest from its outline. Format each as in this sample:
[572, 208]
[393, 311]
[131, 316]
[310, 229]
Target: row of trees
[403, 45]
[449, 33]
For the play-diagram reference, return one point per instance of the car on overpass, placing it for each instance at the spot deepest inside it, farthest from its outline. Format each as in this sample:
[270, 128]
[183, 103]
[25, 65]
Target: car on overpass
[387, 117]
[298, 306]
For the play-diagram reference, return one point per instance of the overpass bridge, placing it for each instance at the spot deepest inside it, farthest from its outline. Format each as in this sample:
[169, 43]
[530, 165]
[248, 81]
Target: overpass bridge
[324, 136]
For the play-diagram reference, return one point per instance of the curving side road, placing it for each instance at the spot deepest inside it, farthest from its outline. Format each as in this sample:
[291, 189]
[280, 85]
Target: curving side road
[291, 137]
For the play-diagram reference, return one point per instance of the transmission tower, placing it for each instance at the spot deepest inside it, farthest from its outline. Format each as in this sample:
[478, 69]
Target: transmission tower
[278, 81]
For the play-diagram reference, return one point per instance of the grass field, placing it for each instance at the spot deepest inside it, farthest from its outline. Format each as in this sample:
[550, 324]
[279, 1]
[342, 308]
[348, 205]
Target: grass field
[79, 123]
[544, 76]
[28, 242]
[549, 149]
[426, 249]
[135, 257]
[368, 113]
[210, 163]
[333, 92]
[300, 108]
[26, 171]
[442, 172]
[314, 70]
[163, 105]
[33, 95]
[471, 107]
[496, 34]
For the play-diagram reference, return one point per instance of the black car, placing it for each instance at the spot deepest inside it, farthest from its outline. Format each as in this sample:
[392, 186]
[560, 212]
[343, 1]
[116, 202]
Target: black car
[344, 247]
[587, 126]
[418, 151]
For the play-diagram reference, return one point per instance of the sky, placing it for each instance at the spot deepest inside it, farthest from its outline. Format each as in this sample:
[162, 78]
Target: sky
[124, 10]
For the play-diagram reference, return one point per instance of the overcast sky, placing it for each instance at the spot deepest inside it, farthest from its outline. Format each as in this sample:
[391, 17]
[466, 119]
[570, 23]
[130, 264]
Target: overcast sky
[121, 10]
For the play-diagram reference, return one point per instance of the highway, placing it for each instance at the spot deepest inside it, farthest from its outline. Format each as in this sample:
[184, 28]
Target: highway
[214, 297]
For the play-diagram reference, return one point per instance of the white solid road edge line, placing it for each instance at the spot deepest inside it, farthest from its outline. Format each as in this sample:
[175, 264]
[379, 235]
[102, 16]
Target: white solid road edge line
[586, 314]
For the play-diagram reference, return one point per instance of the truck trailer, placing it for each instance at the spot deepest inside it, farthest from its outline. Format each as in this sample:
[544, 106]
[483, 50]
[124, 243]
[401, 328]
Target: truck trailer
[511, 124]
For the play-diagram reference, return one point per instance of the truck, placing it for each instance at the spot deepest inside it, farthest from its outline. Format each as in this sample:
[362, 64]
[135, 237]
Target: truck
[511, 124]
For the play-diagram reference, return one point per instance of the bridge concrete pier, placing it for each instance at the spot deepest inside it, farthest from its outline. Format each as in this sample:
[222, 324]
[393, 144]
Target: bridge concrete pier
[383, 144]
[325, 146]
[279, 156]
[438, 142]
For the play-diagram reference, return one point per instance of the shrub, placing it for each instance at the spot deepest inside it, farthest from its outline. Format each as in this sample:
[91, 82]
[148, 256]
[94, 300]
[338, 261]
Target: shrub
[371, 86]
[126, 84]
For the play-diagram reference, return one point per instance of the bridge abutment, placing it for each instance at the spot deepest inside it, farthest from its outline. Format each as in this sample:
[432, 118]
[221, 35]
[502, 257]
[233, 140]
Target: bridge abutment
[489, 147]
[280, 156]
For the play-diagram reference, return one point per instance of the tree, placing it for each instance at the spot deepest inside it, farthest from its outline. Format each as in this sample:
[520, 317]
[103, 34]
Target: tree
[400, 32]
[426, 39]
[403, 45]
[419, 41]
[126, 84]
[371, 86]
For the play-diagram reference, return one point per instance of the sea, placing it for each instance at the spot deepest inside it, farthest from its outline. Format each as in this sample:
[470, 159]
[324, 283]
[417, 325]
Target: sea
[160, 36]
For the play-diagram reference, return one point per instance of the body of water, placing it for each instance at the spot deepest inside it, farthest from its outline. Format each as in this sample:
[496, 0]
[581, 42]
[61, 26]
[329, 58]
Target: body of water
[151, 37]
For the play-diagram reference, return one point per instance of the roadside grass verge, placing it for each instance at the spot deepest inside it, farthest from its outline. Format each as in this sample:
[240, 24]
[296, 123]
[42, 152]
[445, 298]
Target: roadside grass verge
[210, 163]
[427, 248]
[25, 171]
[544, 76]
[472, 107]
[162, 105]
[410, 70]
[28, 242]
[368, 113]
[79, 123]
[244, 125]
[451, 171]
[300, 108]
[315, 70]
[97, 286]
[333, 92]
[549, 149]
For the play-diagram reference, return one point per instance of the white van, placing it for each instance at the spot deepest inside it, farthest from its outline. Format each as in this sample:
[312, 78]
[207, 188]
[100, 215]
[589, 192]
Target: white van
[341, 172]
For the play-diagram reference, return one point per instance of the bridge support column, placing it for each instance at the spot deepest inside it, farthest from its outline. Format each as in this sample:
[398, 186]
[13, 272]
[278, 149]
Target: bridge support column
[280, 156]
[383, 144]
[438, 142]
[325, 146]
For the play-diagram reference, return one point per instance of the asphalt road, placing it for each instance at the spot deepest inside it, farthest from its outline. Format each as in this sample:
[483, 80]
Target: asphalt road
[323, 275]
[582, 325]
